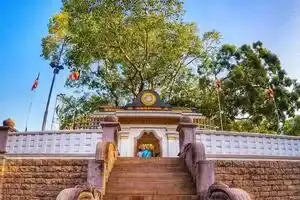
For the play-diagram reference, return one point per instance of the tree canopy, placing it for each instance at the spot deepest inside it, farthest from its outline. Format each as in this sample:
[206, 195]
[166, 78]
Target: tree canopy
[123, 47]
[292, 126]
[246, 73]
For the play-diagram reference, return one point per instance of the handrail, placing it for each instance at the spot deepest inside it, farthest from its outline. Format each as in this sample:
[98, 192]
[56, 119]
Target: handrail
[110, 156]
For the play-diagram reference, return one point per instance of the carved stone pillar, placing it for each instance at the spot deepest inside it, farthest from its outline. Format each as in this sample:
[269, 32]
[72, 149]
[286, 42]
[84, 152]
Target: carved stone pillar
[96, 175]
[4, 130]
[186, 129]
[110, 127]
[205, 175]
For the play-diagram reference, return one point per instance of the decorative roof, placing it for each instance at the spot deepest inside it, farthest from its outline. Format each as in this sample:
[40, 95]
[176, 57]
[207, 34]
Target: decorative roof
[148, 98]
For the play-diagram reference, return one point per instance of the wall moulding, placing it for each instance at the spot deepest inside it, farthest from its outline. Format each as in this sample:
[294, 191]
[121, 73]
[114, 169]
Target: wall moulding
[251, 157]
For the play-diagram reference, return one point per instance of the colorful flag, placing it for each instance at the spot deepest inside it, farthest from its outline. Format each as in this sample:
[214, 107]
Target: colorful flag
[218, 85]
[270, 94]
[74, 76]
[36, 83]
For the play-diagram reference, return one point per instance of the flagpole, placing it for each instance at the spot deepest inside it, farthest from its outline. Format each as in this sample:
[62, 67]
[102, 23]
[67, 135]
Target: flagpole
[56, 68]
[54, 110]
[220, 110]
[29, 109]
[278, 118]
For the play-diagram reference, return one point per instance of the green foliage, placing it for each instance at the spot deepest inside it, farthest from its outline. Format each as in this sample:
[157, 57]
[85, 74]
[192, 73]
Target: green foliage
[246, 72]
[123, 47]
[72, 108]
[292, 126]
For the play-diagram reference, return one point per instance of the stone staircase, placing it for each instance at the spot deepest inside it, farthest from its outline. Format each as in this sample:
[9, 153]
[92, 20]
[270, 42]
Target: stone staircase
[150, 179]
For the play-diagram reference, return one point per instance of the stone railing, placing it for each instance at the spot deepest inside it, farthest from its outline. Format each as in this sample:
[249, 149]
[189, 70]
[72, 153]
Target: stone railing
[202, 170]
[109, 161]
[220, 144]
[75, 142]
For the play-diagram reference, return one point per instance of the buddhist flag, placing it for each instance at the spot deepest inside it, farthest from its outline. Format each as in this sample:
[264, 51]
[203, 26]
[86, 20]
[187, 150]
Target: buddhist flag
[36, 83]
[270, 94]
[74, 76]
[218, 85]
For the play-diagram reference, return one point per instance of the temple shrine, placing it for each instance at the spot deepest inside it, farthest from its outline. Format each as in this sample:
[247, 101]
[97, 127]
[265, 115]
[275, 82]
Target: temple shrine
[149, 122]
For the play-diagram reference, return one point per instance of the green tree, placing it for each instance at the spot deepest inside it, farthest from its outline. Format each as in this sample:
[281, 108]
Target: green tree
[245, 73]
[292, 126]
[124, 47]
[73, 109]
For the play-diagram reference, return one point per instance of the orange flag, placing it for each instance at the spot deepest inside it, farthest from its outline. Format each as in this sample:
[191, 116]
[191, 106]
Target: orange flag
[36, 83]
[74, 76]
[270, 94]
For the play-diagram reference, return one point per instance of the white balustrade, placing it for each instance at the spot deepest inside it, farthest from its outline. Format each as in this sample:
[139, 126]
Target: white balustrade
[77, 142]
[248, 144]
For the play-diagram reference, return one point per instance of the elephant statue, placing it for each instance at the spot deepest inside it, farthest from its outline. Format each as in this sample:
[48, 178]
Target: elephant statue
[79, 193]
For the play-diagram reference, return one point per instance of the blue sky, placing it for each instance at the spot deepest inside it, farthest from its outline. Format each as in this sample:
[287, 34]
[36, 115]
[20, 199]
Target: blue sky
[24, 23]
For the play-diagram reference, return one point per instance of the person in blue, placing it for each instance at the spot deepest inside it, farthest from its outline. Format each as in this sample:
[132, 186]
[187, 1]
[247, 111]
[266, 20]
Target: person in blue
[146, 153]
[140, 153]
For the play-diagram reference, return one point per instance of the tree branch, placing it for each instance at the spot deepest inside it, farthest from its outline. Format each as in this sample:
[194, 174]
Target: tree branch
[170, 84]
[241, 118]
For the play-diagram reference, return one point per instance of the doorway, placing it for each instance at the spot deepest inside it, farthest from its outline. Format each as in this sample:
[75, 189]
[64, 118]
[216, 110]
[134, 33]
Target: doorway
[150, 141]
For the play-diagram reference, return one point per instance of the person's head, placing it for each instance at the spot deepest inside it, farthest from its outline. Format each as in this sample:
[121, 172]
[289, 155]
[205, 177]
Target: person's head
[140, 149]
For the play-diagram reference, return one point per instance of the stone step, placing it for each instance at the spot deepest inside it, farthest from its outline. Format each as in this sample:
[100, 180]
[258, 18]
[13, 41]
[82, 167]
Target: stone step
[157, 179]
[142, 188]
[130, 160]
[120, 164]
[150, 184]
[148, 169]
[150, 197]
[166, 175]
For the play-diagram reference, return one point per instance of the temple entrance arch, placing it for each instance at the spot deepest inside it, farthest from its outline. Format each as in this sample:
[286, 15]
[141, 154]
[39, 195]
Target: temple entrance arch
[148, 139]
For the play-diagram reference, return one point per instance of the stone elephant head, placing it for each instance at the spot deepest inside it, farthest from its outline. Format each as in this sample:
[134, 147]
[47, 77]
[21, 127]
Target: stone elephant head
[79, 193]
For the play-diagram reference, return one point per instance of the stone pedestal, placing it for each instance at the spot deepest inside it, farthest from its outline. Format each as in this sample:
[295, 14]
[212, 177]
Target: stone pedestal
[205, 175]
[3, 138]
[110, 127]
[187, 131]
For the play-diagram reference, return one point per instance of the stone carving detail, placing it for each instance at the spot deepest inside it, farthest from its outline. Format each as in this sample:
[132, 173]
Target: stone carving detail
[111, 118]
[79, 193]
[9, 123]
[186, 119]
[220, 191]
[106, 155]
[109, 159]
[202, 170]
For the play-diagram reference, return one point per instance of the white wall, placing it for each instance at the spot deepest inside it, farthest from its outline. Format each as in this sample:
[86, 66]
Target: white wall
[79, 142]
[236, 143]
